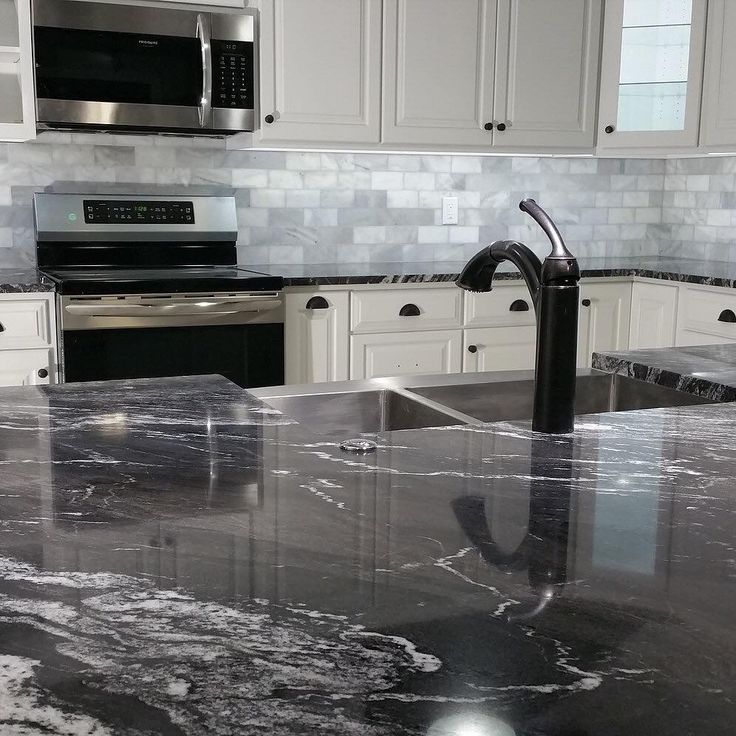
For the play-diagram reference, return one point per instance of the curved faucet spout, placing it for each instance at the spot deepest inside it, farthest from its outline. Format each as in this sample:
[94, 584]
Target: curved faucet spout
[559, 249]
[480, 269]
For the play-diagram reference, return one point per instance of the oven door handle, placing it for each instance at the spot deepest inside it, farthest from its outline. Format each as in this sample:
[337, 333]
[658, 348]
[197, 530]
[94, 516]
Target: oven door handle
[205, 42]
[173, 309]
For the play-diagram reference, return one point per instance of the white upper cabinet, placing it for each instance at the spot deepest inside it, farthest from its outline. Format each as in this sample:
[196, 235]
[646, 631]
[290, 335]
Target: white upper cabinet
[651, 75]
[17, 98]
[491, 73]
[718, 125]
[547, 62]
[438, 72]
[320, 71]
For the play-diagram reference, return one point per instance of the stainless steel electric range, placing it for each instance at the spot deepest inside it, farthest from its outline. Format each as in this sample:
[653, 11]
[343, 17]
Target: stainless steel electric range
[149, 286]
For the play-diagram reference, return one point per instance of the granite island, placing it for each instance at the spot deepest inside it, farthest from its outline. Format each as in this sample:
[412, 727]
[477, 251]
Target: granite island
[177, 558]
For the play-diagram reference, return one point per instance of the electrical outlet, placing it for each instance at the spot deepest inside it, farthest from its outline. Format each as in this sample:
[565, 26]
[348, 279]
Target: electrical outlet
[449, 210]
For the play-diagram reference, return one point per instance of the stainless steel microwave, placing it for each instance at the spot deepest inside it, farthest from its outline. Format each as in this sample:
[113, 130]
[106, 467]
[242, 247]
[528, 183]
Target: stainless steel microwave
[108, 67]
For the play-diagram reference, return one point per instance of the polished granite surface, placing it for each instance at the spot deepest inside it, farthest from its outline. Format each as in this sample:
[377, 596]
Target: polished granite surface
[714, 273]
[15, 280]
[177, 559]
[704, 370]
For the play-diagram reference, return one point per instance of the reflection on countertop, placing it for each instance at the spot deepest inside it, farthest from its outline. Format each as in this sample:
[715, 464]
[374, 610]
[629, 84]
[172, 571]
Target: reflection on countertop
[177, 558]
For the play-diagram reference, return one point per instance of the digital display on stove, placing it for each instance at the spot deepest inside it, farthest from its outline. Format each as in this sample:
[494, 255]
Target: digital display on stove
[141, 212]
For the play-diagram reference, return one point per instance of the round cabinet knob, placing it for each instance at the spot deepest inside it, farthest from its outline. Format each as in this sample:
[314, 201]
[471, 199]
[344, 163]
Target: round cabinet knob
[488, 126]
[43, 373]
[269, 119]
[586, 302]
[472, 348]
[501, 127]
[609, 129]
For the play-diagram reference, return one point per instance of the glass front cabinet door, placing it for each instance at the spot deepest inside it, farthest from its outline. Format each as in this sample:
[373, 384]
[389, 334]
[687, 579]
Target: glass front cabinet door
[651, 75]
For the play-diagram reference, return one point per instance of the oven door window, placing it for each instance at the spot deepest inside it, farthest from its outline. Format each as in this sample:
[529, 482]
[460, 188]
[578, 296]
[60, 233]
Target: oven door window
[117, 67]
[249, 355]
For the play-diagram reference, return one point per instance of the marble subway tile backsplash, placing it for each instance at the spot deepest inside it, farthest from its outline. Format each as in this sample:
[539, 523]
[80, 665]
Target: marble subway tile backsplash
[699, 208]
[343, 207]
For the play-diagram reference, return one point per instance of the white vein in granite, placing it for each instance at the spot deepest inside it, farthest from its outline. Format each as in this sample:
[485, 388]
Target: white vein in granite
[195, 660]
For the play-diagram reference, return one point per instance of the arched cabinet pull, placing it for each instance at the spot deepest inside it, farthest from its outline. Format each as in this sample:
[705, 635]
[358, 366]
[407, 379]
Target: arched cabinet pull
[2, 327]
[409, 310]
[727, 315]
[317, 302]
[519, 306]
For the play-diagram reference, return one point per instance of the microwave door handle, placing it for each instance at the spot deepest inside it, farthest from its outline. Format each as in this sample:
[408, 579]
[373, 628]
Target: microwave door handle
[205, 42]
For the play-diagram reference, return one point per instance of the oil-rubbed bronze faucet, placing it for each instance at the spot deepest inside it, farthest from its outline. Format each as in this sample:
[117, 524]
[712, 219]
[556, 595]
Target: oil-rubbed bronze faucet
[554, 290]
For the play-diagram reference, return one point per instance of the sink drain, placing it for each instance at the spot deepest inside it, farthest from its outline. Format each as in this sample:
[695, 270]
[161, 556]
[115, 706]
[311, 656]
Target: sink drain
[359, 446]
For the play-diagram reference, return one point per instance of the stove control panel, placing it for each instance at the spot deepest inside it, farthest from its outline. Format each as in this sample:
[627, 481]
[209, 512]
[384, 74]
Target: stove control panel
[140, 212]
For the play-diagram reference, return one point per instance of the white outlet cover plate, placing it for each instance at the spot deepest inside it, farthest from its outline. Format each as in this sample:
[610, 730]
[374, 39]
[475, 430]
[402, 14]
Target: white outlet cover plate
[449, 211]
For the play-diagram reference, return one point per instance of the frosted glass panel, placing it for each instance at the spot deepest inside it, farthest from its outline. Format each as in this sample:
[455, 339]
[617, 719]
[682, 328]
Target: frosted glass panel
[656, 54]
[657, 12]
[651, 106]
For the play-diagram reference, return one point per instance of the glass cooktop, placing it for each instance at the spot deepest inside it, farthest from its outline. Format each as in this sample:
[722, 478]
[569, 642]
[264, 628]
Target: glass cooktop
[89, 281]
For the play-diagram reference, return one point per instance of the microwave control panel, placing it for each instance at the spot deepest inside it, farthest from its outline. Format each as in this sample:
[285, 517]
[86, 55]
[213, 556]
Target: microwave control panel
[232, 74]
[140, 212]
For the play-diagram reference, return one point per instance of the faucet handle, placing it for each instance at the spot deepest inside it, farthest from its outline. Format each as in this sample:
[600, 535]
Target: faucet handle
[560, 266]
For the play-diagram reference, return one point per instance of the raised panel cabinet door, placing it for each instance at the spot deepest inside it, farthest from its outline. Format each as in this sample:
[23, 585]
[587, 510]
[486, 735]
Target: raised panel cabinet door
[320, 71]
[651, 74]
[653, 316]
[604, 319]
[405, 353]
[438, 72]
[316, 337]
[26, 367]
[547, 62]
[499, 349]
[718, 123]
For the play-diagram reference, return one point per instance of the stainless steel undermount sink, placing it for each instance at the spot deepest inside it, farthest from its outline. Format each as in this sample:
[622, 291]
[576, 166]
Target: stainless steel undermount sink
[353, 412]
[497, 401]
[413, 402]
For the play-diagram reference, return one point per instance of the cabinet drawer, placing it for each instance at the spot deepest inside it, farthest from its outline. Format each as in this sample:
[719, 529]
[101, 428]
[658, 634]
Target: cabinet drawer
[500, 349]
[27, 367]
[504, 306]
[380, 356]
[708, 312]
[24, 323]
[398, 310]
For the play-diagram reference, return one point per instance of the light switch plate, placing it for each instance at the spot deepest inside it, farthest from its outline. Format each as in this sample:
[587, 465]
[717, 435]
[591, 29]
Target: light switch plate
[449, 210]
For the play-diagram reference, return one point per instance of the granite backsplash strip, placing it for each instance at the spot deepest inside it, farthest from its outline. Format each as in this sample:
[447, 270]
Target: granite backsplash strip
[298, 207]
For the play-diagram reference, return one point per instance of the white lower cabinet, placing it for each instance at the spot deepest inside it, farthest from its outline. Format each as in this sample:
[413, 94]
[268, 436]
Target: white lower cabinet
[316, 334]
[604, 318]
[706, 315]
[26, 367]
[27, 339]
[402, 353]
[499, 349]
[653, 315]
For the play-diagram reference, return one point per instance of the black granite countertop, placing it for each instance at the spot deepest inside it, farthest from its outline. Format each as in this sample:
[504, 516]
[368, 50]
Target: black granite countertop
[704, 370]
[175, 558]
[19, 280]
[714, 273]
